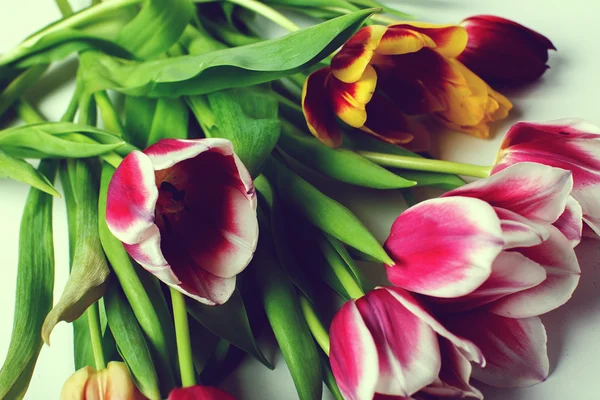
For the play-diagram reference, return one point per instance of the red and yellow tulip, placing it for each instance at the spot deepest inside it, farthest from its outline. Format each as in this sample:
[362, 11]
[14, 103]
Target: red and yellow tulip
[384, 76]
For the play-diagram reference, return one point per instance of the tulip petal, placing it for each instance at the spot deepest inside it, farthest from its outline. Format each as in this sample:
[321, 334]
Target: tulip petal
[407, 347]
[450, 40]
[131, 198]
[466, 347]
[350, 99]
[199, 393]
[558, 258]
[318, 108]
[454, 376]
[451, 253]
[400, 39]
[570, 144]
[353, 354]
[519, 231]
[512, 272]
[514, 348]
[353, 58]
[570, 223]
[535, 191]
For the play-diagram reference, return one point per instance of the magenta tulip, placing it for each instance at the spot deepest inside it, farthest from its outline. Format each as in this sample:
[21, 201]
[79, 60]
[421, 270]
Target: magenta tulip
[501, 51]
[570, 144]
[387, 344]
[199, 393]
[494, 254]
[185, 210]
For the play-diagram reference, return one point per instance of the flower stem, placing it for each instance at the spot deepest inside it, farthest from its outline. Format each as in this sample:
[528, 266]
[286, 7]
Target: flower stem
[182, 333]
[425, 164]
[267, 12]
[96, 335]
[27, 113]
[314, 324]
[64, 7]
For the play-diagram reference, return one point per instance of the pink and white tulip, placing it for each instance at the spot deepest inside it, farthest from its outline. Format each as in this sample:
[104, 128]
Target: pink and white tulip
[494, 254]
[386, 344]
[185, 210]
[199, 393]
[570, 144]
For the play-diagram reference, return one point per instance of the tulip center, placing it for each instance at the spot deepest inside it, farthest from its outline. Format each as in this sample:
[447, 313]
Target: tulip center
[171, 205]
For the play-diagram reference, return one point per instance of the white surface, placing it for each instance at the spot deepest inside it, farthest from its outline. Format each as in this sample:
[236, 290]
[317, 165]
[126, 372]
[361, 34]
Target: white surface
[569, 89]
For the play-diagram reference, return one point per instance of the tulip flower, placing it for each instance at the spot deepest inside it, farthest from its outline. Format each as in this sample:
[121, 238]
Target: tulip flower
[494, 254]
[384, 75]
[502, 51]
[386, 343]
[114, 382]
[185, 210]
[569, 144]
[199, 393]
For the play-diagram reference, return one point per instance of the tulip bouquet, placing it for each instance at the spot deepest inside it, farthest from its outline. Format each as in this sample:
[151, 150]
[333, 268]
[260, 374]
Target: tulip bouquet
[194, 158]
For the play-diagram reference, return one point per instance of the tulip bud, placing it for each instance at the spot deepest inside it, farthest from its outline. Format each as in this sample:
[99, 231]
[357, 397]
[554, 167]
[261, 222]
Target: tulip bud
[114, 382]
[502, 51]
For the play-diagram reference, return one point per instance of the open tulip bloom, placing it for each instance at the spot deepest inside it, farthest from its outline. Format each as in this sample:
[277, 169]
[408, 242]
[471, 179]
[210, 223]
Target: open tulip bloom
[185, 210]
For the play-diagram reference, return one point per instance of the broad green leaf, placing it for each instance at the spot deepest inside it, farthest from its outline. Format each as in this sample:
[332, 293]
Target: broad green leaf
[58, 45]
[158, 25]
[35, 283]
[131, 342]
[204, 344]
[170, 121]
[240, 66]
[230, 322]
[282, 307]
[324, 212]
[253, 131]
[87, 281]
[19, 85]
[359, 141]
[339, 164]
[21, 171]
[139, 113]
[58, 139]
[144, 296]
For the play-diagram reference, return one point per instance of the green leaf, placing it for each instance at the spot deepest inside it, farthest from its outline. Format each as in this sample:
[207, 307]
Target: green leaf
[328, 377]
[285, 316]
[240, 66]
[58, 139]
[19, 85]
[170, 121]
[139, 113]
[314, 3]
[89, 272]
[322, 211]
[35, 283]
[204, 344]
[340, 164]
[158, 26]
[131, 342]
[359, 141]
[144, 295]
[249, 121]
[22, 171]
[230, 322]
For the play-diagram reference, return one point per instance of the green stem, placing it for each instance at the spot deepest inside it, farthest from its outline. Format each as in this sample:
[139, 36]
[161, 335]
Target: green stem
[347, 280]
[182, 333]
[64, 7]
[267, 12]
[110, 117]
[314, 324]
[69, 115]
[27, 113]
[96, 335]
[425, 164]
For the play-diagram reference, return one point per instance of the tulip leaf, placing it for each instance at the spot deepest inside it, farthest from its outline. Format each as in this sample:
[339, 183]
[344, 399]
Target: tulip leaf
[340, 164]
[230, 322]
[157, 26]
[17, 87]
[253, 131]
[322, 211]
[282, 307]
[58, 139]
[22, 171]
[234, 67]
[170, 121]
[139, 114]
[204, 344]
[131, 342]
[359, 141]
[35, 283]
[89, 271]
[328, 377]
[144, 296]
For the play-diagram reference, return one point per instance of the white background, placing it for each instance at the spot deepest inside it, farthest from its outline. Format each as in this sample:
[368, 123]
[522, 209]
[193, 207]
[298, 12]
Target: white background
[569, 89]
